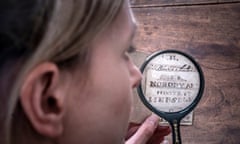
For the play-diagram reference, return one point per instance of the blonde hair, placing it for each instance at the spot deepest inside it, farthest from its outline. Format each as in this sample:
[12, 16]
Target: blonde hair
[71, 27]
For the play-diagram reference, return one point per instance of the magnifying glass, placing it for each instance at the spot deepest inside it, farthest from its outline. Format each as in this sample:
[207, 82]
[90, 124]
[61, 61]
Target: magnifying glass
[171, 87]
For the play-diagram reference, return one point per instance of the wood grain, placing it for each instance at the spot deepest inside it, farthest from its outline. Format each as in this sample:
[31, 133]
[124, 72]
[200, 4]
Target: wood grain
[163, 3]
[211, 34]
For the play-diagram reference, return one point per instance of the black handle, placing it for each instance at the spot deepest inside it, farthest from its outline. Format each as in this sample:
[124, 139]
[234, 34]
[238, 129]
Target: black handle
[175, 124]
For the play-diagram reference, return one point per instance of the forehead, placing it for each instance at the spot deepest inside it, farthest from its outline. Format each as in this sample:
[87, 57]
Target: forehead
[121, 30]
[125, 21]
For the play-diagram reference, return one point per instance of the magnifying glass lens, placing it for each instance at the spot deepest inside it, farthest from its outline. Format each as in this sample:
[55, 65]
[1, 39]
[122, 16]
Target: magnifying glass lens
[171, 82]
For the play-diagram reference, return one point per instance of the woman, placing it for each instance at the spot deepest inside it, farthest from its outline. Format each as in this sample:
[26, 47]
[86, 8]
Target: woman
[66, 74]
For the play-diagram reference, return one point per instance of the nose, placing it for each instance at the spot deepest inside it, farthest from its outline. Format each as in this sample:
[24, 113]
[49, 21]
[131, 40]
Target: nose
[136, 76]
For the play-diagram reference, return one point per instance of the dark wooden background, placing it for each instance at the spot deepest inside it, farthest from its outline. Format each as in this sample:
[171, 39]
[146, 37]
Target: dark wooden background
[209, 30]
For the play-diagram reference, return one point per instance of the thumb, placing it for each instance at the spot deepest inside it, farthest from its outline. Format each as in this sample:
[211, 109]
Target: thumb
[145, 131]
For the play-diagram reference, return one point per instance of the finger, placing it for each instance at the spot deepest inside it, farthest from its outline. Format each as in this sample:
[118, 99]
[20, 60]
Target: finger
[159, 135]
[145, 131]
[133, 127]
[155, 140]
[163, 130]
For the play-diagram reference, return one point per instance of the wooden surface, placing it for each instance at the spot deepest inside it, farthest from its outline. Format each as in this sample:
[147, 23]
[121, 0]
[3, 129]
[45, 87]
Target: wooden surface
[157, 3]
[211, 34]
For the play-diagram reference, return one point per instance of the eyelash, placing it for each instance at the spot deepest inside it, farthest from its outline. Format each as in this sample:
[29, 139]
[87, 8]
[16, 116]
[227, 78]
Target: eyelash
[131, 49]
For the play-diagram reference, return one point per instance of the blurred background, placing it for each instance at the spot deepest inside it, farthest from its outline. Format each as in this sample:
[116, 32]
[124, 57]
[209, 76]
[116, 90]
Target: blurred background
[209, 31]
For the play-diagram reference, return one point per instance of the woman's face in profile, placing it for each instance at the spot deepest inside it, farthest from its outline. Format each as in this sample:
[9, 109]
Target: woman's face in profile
[99, 111]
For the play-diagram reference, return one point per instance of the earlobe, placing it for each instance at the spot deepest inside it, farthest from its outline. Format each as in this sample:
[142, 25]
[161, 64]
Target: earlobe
[41, 100]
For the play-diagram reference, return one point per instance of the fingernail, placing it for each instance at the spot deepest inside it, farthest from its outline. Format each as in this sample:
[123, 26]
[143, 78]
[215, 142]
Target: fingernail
[153, 120]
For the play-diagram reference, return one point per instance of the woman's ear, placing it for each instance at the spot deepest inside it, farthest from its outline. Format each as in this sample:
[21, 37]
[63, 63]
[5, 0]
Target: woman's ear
[42, 99]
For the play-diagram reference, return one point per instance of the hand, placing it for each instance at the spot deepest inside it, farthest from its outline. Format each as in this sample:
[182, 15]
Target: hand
[149, 132]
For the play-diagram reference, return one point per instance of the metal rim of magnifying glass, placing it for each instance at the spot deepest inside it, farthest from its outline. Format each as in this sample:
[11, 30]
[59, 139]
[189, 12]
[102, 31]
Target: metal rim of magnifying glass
[179, 114]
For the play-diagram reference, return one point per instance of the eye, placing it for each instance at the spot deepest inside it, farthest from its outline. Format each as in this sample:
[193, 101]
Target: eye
[129, 50]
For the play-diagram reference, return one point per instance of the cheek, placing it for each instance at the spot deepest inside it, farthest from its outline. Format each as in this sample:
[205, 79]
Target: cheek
[111, 91]
[114, 87]
[104, 103]
[103, 106]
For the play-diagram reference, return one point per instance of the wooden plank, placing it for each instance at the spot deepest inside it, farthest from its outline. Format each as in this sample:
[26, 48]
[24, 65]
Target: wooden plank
[215, 28]
[211, 34]
[140, 3]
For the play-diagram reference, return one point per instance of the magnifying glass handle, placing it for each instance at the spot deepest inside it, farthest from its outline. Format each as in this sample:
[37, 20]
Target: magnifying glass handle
[176, 132]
